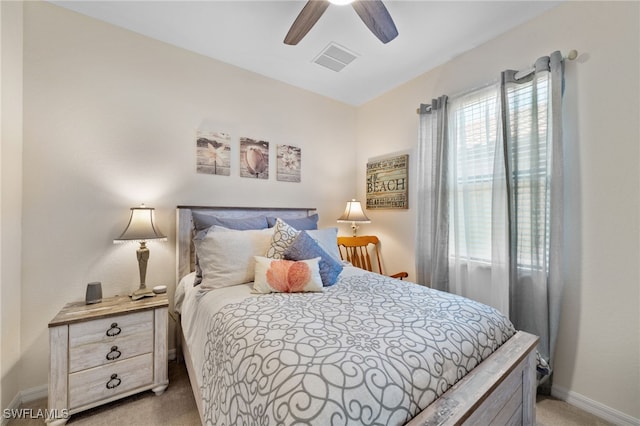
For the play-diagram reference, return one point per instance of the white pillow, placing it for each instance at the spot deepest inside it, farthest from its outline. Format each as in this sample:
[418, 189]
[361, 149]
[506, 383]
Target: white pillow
[327, 238]
[226, 256]
[286, 276]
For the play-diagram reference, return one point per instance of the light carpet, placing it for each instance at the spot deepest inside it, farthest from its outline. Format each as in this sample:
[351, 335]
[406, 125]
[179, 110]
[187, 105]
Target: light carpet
[177, 407]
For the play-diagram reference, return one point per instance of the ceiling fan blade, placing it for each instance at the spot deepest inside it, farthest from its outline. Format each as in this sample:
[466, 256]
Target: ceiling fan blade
[376, 16]
[309, 15]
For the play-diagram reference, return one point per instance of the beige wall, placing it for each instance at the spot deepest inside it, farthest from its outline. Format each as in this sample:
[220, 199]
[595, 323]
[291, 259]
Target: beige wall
[598, 354]
[10, 198]
[110, 121]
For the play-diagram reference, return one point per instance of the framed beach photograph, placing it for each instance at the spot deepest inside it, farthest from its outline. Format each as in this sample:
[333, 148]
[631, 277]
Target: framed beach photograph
[254, 158]
[213, 153]
[289, 160]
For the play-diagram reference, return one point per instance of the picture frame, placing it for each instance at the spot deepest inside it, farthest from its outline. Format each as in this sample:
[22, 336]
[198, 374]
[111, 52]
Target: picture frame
[254, 158]
[289, 161]
[388, 182]
[213, 153]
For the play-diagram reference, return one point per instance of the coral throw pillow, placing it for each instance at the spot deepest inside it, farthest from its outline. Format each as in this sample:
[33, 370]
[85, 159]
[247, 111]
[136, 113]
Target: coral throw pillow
[286, 276]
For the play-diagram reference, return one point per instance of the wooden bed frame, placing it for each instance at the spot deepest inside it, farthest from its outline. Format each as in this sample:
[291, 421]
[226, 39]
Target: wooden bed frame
[501, 390]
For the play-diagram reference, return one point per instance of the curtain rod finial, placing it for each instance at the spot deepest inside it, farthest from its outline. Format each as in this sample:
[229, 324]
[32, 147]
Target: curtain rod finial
[573, 54]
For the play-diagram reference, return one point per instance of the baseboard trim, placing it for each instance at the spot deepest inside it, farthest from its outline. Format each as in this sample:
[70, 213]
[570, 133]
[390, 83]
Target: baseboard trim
[25, 396]
[13, 405]
[597, 409]
[32, 394]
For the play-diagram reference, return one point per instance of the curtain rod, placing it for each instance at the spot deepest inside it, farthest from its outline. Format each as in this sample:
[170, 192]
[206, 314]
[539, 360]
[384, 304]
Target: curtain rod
[572, 55]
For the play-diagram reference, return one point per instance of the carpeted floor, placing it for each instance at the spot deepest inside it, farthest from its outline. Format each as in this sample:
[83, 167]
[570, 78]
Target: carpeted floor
[176, 407]
[553, 412]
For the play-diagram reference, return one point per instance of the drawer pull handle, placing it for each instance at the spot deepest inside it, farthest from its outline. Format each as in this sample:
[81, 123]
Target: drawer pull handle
[114, 330]
[114, 382]
[114, 354]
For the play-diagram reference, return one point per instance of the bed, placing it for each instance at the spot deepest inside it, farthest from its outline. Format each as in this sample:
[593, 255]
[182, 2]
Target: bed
[367, 350]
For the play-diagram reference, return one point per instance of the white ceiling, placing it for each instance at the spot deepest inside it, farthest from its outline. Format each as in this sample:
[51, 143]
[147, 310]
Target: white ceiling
[249, 34]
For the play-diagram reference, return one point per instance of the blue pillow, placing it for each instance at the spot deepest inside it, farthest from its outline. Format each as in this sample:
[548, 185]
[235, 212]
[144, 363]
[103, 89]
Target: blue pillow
[203, 221]
[304, 247]
[299, 223]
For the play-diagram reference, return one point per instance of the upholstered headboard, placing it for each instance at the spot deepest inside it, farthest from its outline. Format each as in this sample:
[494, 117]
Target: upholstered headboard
[185, 254]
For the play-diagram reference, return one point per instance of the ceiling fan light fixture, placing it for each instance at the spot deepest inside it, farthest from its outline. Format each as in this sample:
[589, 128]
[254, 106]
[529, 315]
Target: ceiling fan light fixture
[372, 12]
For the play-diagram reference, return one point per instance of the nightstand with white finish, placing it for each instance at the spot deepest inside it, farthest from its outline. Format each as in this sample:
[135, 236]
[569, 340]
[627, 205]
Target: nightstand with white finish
[106, 351]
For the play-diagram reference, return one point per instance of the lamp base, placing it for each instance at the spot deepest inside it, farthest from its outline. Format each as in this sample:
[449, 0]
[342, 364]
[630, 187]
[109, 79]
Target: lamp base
[141, 293]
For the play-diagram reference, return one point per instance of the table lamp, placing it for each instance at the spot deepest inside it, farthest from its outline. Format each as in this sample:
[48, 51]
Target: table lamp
[353, 213]
[141, 228]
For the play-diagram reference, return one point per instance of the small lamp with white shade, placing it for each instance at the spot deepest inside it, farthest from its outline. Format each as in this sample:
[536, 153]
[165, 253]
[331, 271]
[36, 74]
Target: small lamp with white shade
[353, 213]
[141, 227]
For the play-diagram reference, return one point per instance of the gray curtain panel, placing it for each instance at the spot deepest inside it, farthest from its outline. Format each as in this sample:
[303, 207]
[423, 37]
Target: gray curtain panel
[532, 132]
[432, 266]
[527, 183]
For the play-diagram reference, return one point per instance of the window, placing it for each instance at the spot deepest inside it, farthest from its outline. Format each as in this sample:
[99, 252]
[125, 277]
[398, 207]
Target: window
[473, 132]
[474, 123]
[530, 168]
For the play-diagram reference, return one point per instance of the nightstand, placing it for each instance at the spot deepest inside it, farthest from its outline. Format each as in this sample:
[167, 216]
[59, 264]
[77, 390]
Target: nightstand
[106, 351]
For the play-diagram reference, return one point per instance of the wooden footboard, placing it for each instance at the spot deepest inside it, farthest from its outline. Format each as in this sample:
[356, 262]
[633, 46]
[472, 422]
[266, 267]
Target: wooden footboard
[501, 390]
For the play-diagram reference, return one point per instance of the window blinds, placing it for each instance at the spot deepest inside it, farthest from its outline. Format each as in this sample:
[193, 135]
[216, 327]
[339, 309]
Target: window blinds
[474, 132]
[475, 126]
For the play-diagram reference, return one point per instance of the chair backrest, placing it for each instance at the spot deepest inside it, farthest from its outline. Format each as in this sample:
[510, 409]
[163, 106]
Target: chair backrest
[356, 251]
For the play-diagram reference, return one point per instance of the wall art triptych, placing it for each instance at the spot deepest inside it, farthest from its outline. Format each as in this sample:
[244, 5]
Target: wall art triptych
[214, 151]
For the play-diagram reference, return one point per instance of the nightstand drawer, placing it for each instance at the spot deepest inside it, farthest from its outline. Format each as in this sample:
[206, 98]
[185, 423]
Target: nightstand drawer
[101, 353]
[111, 329]
[104, 382]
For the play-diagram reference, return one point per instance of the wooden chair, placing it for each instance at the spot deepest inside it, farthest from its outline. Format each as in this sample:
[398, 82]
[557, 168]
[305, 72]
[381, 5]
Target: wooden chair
[356, 251]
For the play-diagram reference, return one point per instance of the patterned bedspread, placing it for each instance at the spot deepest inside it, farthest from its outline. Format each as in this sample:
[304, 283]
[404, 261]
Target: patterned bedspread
[369, 350]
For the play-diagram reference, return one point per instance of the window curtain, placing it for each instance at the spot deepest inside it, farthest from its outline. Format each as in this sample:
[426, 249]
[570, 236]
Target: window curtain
[478, 250]
[490, 197]
[433, 195]
[462, 183]
[532, 129]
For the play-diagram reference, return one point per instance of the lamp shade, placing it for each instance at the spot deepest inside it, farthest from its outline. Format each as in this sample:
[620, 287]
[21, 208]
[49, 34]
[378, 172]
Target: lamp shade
[353, 213]
[141, 226]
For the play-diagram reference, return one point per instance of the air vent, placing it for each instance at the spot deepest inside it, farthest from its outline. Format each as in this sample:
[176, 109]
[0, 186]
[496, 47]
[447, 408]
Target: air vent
[335, 57]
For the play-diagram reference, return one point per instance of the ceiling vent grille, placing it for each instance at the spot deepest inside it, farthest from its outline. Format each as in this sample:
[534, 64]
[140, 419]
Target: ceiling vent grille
[335, 57]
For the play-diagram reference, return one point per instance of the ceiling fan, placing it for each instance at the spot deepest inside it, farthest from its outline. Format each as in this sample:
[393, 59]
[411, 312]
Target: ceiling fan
[372, 12]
